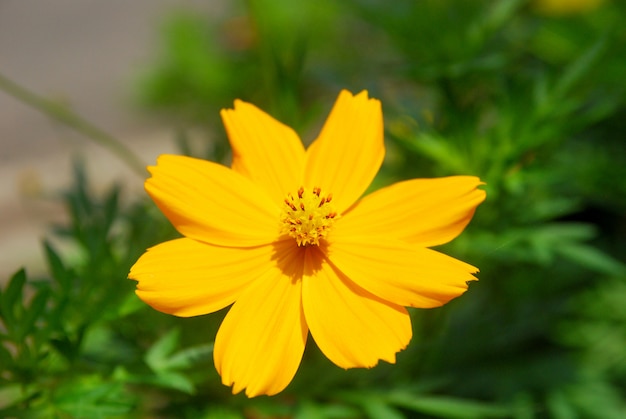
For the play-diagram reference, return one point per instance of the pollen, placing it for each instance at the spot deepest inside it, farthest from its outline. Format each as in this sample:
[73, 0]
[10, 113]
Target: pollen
[307, 216]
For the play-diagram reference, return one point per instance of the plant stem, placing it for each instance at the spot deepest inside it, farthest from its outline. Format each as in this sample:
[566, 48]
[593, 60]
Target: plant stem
[72, 120]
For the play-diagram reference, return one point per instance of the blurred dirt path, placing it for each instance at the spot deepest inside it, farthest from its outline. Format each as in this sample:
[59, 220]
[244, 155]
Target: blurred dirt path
[86, 54]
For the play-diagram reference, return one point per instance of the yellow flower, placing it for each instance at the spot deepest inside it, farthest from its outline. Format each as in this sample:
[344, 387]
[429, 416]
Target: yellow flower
[282, 235]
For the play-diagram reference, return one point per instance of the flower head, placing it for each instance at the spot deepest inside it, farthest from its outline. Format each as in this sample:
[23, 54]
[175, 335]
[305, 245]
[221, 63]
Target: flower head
[283, 237]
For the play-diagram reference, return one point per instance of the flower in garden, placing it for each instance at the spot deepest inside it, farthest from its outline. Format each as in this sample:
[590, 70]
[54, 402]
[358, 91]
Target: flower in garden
[283, 237]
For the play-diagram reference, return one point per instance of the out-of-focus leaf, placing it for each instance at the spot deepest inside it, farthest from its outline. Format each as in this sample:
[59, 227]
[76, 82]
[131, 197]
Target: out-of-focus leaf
[597, 399]
[500, 13]
[559, 406]
[158, 354]
[36, 307]
[188, 357]
[11, 306]
[221, 412]
[129, 305]
[378, 409]
[10, 395]
[164, 379]
[6, 359]
[59, 272]
[312, 410]
[591, 258]
[449, 407]
[93, 399]
[438, 150]
[161, 356]
[579, 68]
[111, 207]
[174, 380]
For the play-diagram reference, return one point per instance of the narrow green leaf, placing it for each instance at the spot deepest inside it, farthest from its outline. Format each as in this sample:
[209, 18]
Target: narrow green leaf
[37, 306]
[164, 379]
[579, 68]
[501, 13]
[111, 207]
[12, 394]
[157, 355]
[6, 359]
[57, 268]
[312, 410]
[188, 357]
[377, 409]
[438, 150]
[130, 304]
[93, 400]
[176, 381]
[591, 258]
[449, 407]
[559, 407]
[11, 301]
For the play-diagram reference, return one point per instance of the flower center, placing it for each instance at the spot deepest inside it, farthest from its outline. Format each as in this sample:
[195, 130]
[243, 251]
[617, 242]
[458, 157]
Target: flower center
[308, 216]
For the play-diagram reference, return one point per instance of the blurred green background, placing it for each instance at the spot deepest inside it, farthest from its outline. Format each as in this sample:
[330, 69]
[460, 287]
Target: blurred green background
[530, 96]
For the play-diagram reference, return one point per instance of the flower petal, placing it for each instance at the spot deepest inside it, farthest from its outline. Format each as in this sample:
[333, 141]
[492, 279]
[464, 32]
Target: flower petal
[186, 278]
[401, 273]
[264, 150]
[346, 156]
[260, 344]
[426, 212]
[212, 203]
[352, 327]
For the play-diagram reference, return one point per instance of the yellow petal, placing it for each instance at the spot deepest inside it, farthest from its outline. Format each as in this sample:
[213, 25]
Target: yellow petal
[264, 150]
[352, 327]
[261, 341]
[349, 151]
[399, 272]
[185, 277]
[212, 203]
[426, 212]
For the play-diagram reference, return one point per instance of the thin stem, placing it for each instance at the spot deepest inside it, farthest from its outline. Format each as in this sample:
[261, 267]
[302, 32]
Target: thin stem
[74, 121]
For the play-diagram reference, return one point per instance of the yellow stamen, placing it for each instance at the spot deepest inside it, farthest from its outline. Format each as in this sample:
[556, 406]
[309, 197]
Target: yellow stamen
[308, 216]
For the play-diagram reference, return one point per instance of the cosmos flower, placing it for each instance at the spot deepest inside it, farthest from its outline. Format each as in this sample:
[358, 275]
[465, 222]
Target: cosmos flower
[283, 237]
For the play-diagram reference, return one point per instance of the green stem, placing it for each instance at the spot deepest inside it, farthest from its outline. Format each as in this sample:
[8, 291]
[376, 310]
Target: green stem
[74, 121]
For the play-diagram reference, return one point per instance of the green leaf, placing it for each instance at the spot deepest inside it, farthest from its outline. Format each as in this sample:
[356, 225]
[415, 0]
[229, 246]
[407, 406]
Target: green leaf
[6, 359]
[375, 405]
[378, 409]
[501, 13]
[173, 380]
[62, 275]
[449, 407]
[37, 306]
[90, 398]
[311, 410]
[157, 356]
[129, 305]
[222, 412]
[579, 68]
[9, 395]
[188, 357]
[164, 379]
[161, 357]
[11, 301]
[559, 407]
[111, 207]
[438, 150]
[591, 258]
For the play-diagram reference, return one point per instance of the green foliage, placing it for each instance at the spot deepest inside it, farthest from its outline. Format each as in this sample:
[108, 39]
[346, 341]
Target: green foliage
[534, 105]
